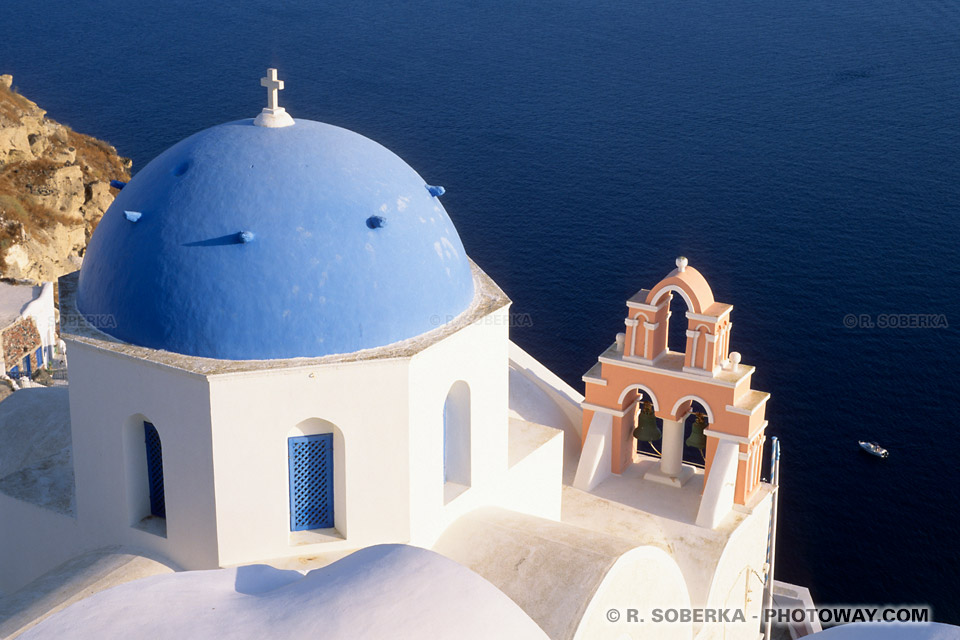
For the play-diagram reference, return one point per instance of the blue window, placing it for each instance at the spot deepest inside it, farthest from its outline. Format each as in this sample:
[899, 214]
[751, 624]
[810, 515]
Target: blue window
[14, 372]
[310, 459]
[158, 505]
[39, 357]
[26, 365]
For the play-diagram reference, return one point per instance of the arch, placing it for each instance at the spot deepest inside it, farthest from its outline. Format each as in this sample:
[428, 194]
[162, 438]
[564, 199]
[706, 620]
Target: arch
[335, 478]
[456, 437]
[144, 473]
[702, 402]
[690, 284]
[672, 287]
[645, 389]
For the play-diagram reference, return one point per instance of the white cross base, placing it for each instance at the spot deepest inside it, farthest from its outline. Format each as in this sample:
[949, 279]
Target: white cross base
[273, 116]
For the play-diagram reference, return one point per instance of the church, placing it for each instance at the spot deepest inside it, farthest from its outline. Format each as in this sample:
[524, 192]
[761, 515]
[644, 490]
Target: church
[294, 405]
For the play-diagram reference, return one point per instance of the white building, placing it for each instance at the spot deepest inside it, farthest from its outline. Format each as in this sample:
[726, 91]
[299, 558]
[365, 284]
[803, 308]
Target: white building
[281, 354]
[28, 327]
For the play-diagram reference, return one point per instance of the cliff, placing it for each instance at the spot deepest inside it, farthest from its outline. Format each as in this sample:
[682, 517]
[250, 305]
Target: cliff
[54, 188]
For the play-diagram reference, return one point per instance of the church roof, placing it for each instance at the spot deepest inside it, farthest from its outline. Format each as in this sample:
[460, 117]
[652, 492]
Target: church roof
[247, 242]
[383, 591]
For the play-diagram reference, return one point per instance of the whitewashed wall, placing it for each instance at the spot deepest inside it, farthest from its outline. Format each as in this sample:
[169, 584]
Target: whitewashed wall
[477, 355]
[110, 395]
[255, 413]
[224, 441]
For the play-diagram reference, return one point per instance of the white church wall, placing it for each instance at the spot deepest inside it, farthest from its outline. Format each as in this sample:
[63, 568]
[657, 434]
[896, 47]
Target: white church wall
[533, 484]
[110, 395]
[476, 355]
[640, 581]
[562, 397]
[364, 404]
[737, 581]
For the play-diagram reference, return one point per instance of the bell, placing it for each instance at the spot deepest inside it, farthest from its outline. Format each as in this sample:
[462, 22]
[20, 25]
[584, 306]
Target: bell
[647, 429]
[697, 440]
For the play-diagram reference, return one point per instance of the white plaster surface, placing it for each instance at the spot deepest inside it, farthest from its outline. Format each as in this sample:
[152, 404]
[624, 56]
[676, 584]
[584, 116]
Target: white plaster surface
[71, 582]
[594, 465]
[381, 592]
[35, 449]
[566, 577]
[718, 495]
[13, 299]
[720, 566]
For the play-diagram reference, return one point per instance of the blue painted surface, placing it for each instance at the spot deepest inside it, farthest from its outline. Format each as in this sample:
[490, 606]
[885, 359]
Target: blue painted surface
[154, 449]
[310, 460]
[316, 281]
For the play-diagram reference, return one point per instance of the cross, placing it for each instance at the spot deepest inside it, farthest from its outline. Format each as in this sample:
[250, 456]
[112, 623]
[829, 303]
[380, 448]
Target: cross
[273, 86]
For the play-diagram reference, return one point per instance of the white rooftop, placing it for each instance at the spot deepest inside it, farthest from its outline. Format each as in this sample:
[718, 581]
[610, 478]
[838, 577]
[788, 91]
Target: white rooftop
[13, 299]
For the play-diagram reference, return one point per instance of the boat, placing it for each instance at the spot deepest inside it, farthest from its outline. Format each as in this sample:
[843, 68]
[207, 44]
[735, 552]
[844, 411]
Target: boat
[874, 449]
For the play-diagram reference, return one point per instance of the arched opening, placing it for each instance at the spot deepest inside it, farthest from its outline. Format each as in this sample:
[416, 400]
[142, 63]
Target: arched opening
[456, 440]
[673, 335]
[315, 470]
[697, 416]
[677, 325]
[689, 410]
[647, 428]
[143, 459]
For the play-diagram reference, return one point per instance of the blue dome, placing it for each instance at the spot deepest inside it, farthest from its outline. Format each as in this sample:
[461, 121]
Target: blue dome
[256, 243]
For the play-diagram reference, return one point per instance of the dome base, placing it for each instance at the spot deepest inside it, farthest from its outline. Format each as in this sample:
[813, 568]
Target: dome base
[274, 118]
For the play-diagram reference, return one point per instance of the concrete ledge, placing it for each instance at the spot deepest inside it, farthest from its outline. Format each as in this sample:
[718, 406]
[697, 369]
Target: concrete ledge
[656, 475]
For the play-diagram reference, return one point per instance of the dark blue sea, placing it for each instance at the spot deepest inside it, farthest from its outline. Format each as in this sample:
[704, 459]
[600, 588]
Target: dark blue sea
[803, 155]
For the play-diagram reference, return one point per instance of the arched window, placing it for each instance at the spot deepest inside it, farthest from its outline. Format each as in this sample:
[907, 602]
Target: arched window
[456, 440]
[154, 450]
[143, 458]
[316, 461]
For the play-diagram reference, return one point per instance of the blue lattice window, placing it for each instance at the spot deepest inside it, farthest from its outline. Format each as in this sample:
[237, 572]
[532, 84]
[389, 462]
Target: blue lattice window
[158, 506]
[311, 481]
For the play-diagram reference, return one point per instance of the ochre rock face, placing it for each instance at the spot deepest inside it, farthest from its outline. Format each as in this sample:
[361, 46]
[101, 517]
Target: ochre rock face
[54, 188]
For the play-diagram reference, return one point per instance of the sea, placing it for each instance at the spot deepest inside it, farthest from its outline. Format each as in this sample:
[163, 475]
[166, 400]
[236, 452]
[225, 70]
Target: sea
[803, 155]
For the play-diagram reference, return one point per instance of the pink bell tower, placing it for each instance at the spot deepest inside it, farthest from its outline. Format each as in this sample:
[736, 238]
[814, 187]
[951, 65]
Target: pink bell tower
[640, 368]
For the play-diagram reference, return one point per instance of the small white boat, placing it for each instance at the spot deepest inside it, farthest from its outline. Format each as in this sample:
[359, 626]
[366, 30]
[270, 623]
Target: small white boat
[874, 449]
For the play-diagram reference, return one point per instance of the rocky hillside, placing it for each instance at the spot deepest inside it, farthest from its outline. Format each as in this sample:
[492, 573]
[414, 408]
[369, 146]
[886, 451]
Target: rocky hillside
[54, 188]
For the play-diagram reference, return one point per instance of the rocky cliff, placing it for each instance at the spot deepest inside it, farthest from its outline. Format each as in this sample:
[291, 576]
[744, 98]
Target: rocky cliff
[54, 188]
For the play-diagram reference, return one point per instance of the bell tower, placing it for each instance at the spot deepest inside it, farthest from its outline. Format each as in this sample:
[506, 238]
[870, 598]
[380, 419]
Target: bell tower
[638, 380]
